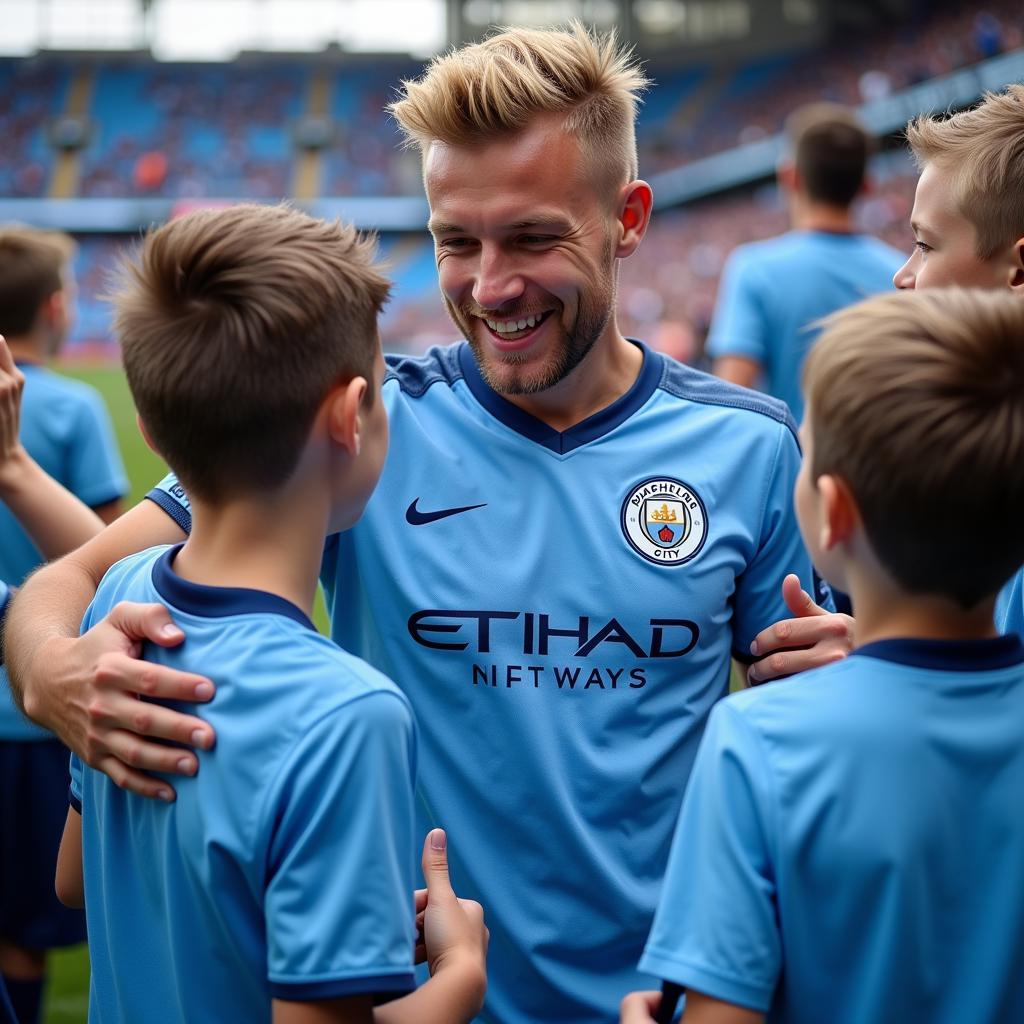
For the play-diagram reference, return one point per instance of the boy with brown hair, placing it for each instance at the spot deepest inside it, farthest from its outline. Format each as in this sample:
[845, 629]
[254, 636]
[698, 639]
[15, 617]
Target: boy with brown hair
[850, 846]
[968, 223]
[279, 884]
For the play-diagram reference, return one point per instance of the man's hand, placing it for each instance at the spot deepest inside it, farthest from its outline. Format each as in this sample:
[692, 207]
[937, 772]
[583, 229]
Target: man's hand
[12, 382]
[639, 1008]
[92, 700]
[451, 931]
[812, 638]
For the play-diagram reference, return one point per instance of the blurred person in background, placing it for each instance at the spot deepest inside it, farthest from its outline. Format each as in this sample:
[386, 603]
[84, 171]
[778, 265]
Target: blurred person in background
[63, 437]
[773, 290]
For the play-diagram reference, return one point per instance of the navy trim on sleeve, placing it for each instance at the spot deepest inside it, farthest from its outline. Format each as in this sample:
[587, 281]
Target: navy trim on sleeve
[200, 599]
[337, 987]
[180, 515]
[417, 374]
[949, 655]
[590, 429]
[76, 804]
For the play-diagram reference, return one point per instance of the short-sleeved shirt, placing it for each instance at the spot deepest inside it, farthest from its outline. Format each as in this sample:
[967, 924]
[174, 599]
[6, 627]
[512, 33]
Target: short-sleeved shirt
[772, 292]
[285, 868]
[560, 609]
[851, 844]
[66, 429]
[1010, 606]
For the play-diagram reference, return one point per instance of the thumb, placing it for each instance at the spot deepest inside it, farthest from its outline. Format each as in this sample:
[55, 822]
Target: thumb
[6, 359]
[435, 866]
[151, 622]
[798, 601]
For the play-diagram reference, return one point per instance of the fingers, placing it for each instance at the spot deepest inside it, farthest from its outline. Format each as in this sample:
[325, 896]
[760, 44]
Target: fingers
[6, 359]
[789, 663]
[122, 672]
[150, 622]
[798, 601]
[639, 1007]
[419, 898]
[831, 626]
[135, 782]
[435, 865]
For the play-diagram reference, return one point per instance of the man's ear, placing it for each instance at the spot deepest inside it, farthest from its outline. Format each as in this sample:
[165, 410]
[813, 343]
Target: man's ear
[635, 204]
[840, 517]
[1017, 267]
[343, 406]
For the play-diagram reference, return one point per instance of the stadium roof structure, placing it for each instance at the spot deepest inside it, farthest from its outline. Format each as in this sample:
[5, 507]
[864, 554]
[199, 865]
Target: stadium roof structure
[220, 30]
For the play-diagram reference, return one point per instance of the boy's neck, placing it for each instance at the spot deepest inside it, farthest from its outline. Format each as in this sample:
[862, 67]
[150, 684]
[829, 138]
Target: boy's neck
[26, 349]
[889, 613]
[273, 544]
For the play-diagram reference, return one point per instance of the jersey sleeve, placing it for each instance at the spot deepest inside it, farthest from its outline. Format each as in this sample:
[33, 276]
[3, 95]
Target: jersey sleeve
[738, 325]
[338, 904]
[758, 600]
[171, 497]
[715, 928]
[95, 471]
[1010, 606]
[75, 788]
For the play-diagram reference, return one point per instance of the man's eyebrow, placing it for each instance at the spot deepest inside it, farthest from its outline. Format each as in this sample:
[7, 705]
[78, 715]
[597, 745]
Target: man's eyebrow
[538, 222]
[440, 227]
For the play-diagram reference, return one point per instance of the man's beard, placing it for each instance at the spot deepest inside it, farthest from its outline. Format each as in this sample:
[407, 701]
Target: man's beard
[503, 373]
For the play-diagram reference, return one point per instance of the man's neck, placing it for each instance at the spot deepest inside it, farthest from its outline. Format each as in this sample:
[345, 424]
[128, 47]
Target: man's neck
[26, 349]
[609, 370]
[807, 215]
[274, 545]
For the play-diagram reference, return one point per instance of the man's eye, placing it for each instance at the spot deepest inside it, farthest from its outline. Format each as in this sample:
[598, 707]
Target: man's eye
[536, 239]
[456, 243]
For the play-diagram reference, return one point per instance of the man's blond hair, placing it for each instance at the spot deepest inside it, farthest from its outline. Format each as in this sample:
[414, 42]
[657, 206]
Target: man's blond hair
[497, 87]
[916, 400]
[984, 149]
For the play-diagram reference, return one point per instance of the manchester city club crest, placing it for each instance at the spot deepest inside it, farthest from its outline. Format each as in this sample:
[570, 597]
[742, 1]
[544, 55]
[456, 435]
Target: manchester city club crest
[664, 521]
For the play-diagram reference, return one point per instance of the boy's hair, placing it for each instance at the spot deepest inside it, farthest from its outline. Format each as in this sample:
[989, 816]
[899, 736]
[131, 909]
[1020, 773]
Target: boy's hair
[984, 148]
[233, 325]
[495, 88]
[830, 150]
[31, 265]
[916, 400]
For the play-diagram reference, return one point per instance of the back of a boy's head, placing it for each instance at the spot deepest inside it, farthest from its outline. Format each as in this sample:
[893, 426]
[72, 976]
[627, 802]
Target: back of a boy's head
[983, 148]
[916, 400]
[31, 268]
[830, 149]
[233, 325]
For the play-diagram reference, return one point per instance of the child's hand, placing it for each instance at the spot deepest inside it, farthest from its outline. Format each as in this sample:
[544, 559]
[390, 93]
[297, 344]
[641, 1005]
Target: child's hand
[639, 1008]
[451, 932]
[12, 381]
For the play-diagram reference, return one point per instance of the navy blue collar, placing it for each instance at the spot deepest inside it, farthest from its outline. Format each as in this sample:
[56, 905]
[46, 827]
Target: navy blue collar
[215, 602]
[590, 429]
[949, 655]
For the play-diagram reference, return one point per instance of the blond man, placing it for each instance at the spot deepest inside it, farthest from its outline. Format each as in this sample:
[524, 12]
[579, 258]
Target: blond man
[968, 223]
[571, 537]
[850, 847]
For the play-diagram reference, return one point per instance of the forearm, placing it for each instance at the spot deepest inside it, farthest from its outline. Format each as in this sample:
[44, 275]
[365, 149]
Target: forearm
[452, 996]
[737, 370]
[51, 515]
[46, 613]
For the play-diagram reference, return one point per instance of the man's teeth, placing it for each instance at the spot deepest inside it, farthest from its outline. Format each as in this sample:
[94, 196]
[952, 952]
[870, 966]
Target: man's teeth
[510, 326]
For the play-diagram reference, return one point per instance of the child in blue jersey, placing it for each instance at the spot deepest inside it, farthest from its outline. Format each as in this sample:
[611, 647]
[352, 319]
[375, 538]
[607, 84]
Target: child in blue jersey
[850, 846]
[968, 223]
[279, 884]
[57, 451]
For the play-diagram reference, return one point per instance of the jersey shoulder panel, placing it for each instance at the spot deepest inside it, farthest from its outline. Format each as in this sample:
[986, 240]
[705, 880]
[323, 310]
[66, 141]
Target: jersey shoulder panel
[415, 375]
[693, 385]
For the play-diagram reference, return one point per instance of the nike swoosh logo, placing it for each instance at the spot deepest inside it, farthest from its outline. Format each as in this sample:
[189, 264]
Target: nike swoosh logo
[417, 518]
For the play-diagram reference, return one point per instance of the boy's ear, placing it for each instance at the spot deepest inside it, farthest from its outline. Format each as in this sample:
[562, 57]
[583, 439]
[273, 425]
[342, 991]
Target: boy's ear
[787, 175]
[344, 405]
[840, 517]
[145, 436]
[1017, 267]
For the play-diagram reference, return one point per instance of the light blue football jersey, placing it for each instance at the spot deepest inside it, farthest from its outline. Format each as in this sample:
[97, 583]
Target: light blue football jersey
[66, 429]
[560, 609]
[772, 291]
[1010, 606]
[851, 844]
[285, 868]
